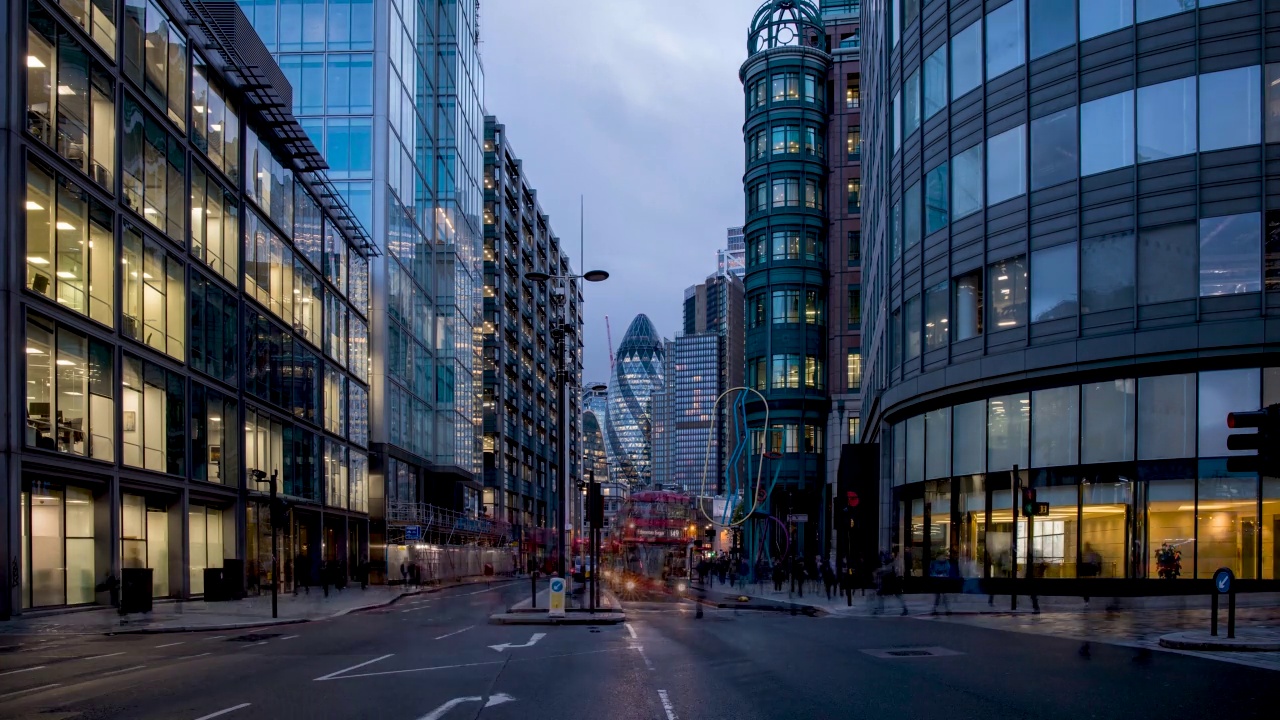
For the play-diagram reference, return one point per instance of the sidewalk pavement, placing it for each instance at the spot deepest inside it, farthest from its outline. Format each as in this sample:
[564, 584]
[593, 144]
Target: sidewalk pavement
[200, 616]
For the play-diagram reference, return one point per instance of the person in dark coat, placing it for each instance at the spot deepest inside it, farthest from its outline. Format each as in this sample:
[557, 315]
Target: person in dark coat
[301, 574]
[828, 579]
[798, 575]
[779, 575]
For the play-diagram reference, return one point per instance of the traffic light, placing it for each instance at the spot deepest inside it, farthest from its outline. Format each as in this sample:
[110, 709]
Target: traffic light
[279, 512]
[1265, 458]
[1028, 501]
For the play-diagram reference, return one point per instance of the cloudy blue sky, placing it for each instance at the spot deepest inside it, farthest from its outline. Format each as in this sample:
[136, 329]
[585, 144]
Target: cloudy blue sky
[636, 105]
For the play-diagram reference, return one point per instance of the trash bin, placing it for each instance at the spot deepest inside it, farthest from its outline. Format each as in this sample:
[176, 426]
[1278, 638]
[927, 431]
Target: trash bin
[214, 589]
[488, 569]
[135, 590]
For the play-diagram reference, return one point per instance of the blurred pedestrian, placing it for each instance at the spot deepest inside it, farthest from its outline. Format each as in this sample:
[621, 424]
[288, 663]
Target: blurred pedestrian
[779, 575]
[744, 569]
[828, 579]
[887, 582]
[404, 573]
[940, 569]
[798, 575]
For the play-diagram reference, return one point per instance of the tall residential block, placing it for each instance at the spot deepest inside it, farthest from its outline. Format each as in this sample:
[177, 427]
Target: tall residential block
[523, 458]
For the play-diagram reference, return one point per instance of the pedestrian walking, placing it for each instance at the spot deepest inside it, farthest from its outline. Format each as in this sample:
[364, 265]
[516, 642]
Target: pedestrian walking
[798, 575]
[846, 580]
[744, 568]
[404, 572]
[324, 578]
[940, 569]
[828, 579]
[887, 582]
[779, 575]
[733, 574]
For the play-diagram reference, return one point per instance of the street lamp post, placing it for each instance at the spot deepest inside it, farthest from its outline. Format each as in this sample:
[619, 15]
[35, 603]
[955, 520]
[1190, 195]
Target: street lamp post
[559, 334]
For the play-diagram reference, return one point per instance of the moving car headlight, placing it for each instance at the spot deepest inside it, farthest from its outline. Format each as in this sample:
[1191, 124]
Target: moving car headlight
[681, 587]
[631, 584]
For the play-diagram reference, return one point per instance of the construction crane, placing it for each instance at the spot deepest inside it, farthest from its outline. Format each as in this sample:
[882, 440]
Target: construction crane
[609, 334]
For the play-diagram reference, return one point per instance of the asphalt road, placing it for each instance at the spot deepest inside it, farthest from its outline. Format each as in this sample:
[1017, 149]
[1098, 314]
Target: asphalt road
[430, 658]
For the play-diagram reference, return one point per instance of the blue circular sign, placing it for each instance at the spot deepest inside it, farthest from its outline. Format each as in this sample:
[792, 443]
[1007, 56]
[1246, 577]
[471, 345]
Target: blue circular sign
[1222, 580]
[557, 585]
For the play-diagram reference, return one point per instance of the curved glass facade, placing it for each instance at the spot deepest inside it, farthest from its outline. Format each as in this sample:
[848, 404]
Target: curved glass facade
[637, 374]
[1076, 268]
[784, 79]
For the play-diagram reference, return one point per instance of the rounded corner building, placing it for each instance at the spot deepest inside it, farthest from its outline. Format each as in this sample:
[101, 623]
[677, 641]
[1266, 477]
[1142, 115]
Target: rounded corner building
[1074, 256]
[786, 176]
[637, 374]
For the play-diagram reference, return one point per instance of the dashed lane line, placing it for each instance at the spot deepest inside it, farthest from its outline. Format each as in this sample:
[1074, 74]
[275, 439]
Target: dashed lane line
[220, 713]
[666, 705]
[123, 670]
[99, 657]
[31, 689]
[22, 670]
[455, 632]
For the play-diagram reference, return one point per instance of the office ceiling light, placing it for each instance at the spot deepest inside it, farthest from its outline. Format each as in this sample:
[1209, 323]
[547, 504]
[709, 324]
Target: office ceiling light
[34, 205]
[34, 62]
[37, 260]
[64, 225]
[65, 90]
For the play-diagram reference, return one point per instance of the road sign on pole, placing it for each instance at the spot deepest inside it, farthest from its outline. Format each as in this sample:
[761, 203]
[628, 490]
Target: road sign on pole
[798, 518]
[412, 532]
[556, 605]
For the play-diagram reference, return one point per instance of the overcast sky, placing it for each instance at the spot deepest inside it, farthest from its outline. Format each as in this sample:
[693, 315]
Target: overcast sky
[636, 105]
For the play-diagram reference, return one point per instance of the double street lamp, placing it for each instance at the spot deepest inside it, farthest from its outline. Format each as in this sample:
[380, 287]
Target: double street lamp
[558, 333]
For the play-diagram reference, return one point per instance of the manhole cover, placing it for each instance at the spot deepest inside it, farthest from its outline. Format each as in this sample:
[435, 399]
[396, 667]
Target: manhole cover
[908, 653]
[254, 637]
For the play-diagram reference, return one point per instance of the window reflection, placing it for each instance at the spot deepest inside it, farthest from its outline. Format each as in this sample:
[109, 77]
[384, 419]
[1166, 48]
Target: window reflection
[1007, 301]
[1230, 254]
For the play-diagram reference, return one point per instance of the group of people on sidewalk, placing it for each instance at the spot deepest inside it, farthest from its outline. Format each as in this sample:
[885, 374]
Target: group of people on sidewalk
[815, 574]
[331, 572]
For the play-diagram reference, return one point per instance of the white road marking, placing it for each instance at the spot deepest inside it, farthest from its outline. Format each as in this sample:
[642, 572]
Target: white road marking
[455, 632]
[188, 657]
[353, 667]
[420, 607]
[413, 670]
[630, 630]
[666, 705]
[169, 645]
[15, 672]
[498, 699]
[32, 689]
[99, 657]
[123, 670]
[532, 641]
[215, 637]
[288, 637]
[441, 711]
[644, 657]
[223, 712]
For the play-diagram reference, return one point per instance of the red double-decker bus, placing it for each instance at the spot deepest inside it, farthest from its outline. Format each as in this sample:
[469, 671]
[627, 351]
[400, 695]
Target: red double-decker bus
[653, 532]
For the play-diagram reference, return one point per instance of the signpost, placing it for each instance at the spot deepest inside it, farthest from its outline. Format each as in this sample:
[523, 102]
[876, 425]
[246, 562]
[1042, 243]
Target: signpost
[412, 532]
[1224, 584]
[798, 518]
[556, 605]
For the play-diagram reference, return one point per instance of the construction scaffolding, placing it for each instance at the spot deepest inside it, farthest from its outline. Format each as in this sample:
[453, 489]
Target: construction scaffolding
[444, 545]
[444, 527]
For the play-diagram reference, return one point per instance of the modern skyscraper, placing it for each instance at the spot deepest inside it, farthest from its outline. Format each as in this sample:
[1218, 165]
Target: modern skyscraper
[391, 94]
[637, 374]
[731, 259]
[785, 78]
[521, 385]
[1072, 272]
[191, 296]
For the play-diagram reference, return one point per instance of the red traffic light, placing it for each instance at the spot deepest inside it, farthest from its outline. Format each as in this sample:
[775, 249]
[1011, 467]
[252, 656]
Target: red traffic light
[1248, 419]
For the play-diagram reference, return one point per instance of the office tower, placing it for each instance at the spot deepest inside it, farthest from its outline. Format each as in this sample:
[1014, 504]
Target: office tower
[637, 374]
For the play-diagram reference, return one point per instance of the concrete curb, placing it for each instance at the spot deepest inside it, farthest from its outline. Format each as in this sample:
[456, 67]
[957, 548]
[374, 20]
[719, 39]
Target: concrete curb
[205, 628]
[268, 622]
[1244, 641]
[574, 618]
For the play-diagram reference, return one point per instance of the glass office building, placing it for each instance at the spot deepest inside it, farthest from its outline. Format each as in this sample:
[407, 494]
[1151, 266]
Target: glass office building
[191, 300]
[637, 375]
[1076, 267]
[391, 92]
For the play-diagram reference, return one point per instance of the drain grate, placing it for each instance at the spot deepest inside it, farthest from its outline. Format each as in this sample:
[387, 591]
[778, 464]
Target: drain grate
[910, 652]
[253, 637]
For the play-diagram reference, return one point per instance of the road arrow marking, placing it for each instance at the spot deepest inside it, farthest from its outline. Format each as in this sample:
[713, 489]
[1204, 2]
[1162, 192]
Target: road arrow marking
[498, 699]
[532, 641]
[441, 711]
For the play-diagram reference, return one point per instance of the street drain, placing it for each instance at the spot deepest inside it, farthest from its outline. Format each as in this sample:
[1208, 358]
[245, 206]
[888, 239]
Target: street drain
[912, 652]
[253, 637]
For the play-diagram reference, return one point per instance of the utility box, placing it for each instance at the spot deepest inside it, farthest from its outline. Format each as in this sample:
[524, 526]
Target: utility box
[214, 589]
[135, 590]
